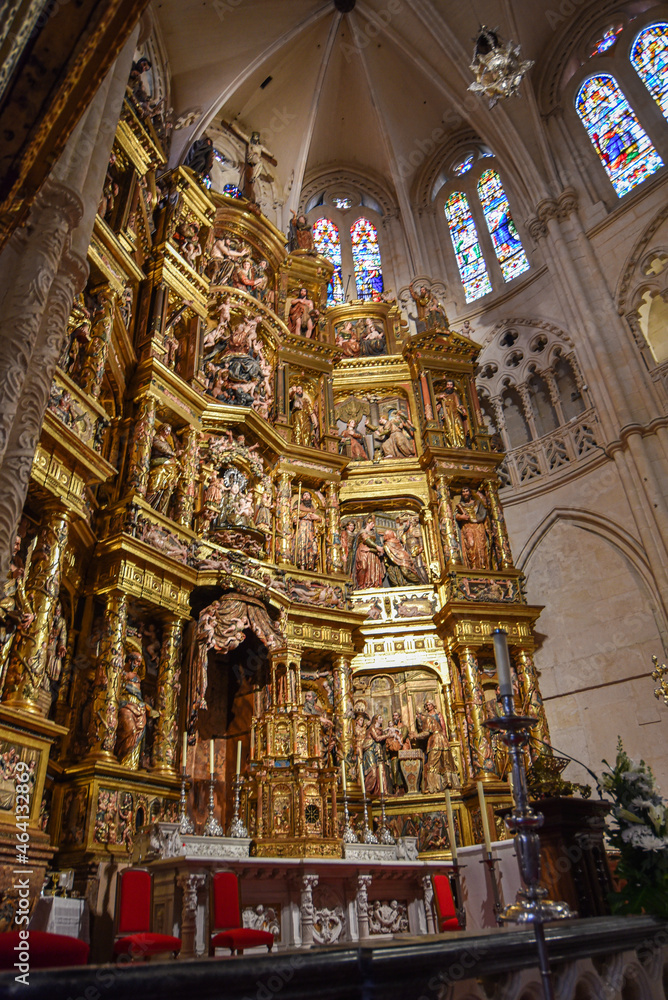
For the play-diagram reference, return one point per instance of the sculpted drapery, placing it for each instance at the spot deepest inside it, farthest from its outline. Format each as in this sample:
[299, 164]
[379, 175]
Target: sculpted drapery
[222, 626]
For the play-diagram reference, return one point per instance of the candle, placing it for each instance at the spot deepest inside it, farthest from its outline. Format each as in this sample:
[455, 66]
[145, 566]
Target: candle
[381, 775]
[485, 820]
[238, 757]
[502, 662]
[451, 825]
[211, 758]
[344, 787]
[184, 753]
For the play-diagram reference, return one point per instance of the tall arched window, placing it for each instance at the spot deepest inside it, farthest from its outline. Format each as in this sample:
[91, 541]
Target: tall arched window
[327, 243]
[464, 236]
[366, 258]
[649, 57]
[624, 148]
[507, 244]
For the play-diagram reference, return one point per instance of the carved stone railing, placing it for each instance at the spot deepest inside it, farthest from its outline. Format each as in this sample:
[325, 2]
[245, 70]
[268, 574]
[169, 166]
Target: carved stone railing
[553, 453]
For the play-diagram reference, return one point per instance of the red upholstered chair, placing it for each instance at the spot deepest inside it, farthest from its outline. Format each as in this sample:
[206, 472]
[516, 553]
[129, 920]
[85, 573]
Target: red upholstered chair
[133, 918]
[446, 912]
[47, 951]
[225, 918]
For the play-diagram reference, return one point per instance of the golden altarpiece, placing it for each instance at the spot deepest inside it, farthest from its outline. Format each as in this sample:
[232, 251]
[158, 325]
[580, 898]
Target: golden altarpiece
[252, 518]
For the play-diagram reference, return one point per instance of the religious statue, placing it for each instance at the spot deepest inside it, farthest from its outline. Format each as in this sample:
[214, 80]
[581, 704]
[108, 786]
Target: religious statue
[223, 259]
[368, 566]
[302, 314]
[400, 565]
[411, 538]
[347, 541]
[252, 169]
[304, 419]
[309, 526]
[397, 739]
[236, 504]
[394, 437]
[372, 340]
[348, 340]
[131, 712]
[430, 312]
[165, 469]
[374, 761]
[16, 610]
[439, 767]
[301, 234]
[471, 515]
[453, 414]
[356, 440]
[56, 649]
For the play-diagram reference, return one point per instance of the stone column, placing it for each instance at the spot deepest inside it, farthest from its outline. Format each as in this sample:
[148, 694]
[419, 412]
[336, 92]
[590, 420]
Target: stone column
[139, 462]
[307, 911]
[343, 706]
[428, 899]
[497, 406]
[363, 883]
[525, 398]
[104, 719]
[555, 397]
[532, 702]
[168, 687]
[482, 754]
[190, 885]
[185, 491]
[446, 520]
[92, 373]
[283, 553]
[332, 514]
[499, 525]
[26, 668]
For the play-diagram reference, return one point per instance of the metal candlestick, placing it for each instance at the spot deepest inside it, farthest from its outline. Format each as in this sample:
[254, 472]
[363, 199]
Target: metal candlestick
[212, 827]
[384, 832]
[237, 827]
[491, 862]
[459, 900]
[349, 835]
[186, 825]
[531, 905]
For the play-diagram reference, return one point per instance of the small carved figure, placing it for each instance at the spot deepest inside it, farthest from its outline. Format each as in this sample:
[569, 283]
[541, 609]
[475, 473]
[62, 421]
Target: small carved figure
[368, 566]
[302, 315]
[131, 712]
[165, 469]
[374, 760]
[471, 515]
[305, 425]
[56, 648]
[301, 234]
[439, 767]
[309, 526]
[453, 414]
[397, 739]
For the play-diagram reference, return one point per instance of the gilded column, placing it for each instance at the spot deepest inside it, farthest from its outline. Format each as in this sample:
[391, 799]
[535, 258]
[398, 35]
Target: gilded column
[283, 548]
[446, 520]
[26, 668]
[185, 493]
[332, 513]
[482, 754]
[433, 550]
[104, 716]
[343, 706]
[458, 708]
[532, 702]
[92, 372]
[168, 687]
[499, 525]
[139, 462]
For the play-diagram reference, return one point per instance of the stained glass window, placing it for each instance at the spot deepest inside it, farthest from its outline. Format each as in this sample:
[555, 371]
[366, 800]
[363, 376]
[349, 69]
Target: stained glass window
[343, 202]
[623, 146]
[366, 258]
[507, 244]
[464, 236]
[232, 191]
[649, 57]
[463, 166]
[607, 39]
[327, 243]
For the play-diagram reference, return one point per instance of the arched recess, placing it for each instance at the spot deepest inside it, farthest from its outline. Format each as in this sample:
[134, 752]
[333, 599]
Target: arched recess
[602, 623]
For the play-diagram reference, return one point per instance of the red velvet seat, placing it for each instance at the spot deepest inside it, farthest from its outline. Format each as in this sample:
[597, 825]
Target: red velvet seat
[225, 919]
[446, 912]
[47, 951]
[133, 918]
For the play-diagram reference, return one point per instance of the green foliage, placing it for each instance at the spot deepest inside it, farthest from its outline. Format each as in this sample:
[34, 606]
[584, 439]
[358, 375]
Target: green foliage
[638, 829]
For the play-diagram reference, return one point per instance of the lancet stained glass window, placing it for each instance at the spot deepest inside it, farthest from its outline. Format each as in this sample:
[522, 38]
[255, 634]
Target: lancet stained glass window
[623, 146]
[464, 236]
[327, 243]
[649, 57]
[507, 244]
[366, 258]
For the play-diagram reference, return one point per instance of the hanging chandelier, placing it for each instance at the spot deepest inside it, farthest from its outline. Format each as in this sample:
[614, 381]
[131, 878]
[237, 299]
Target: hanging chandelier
[497, 66]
